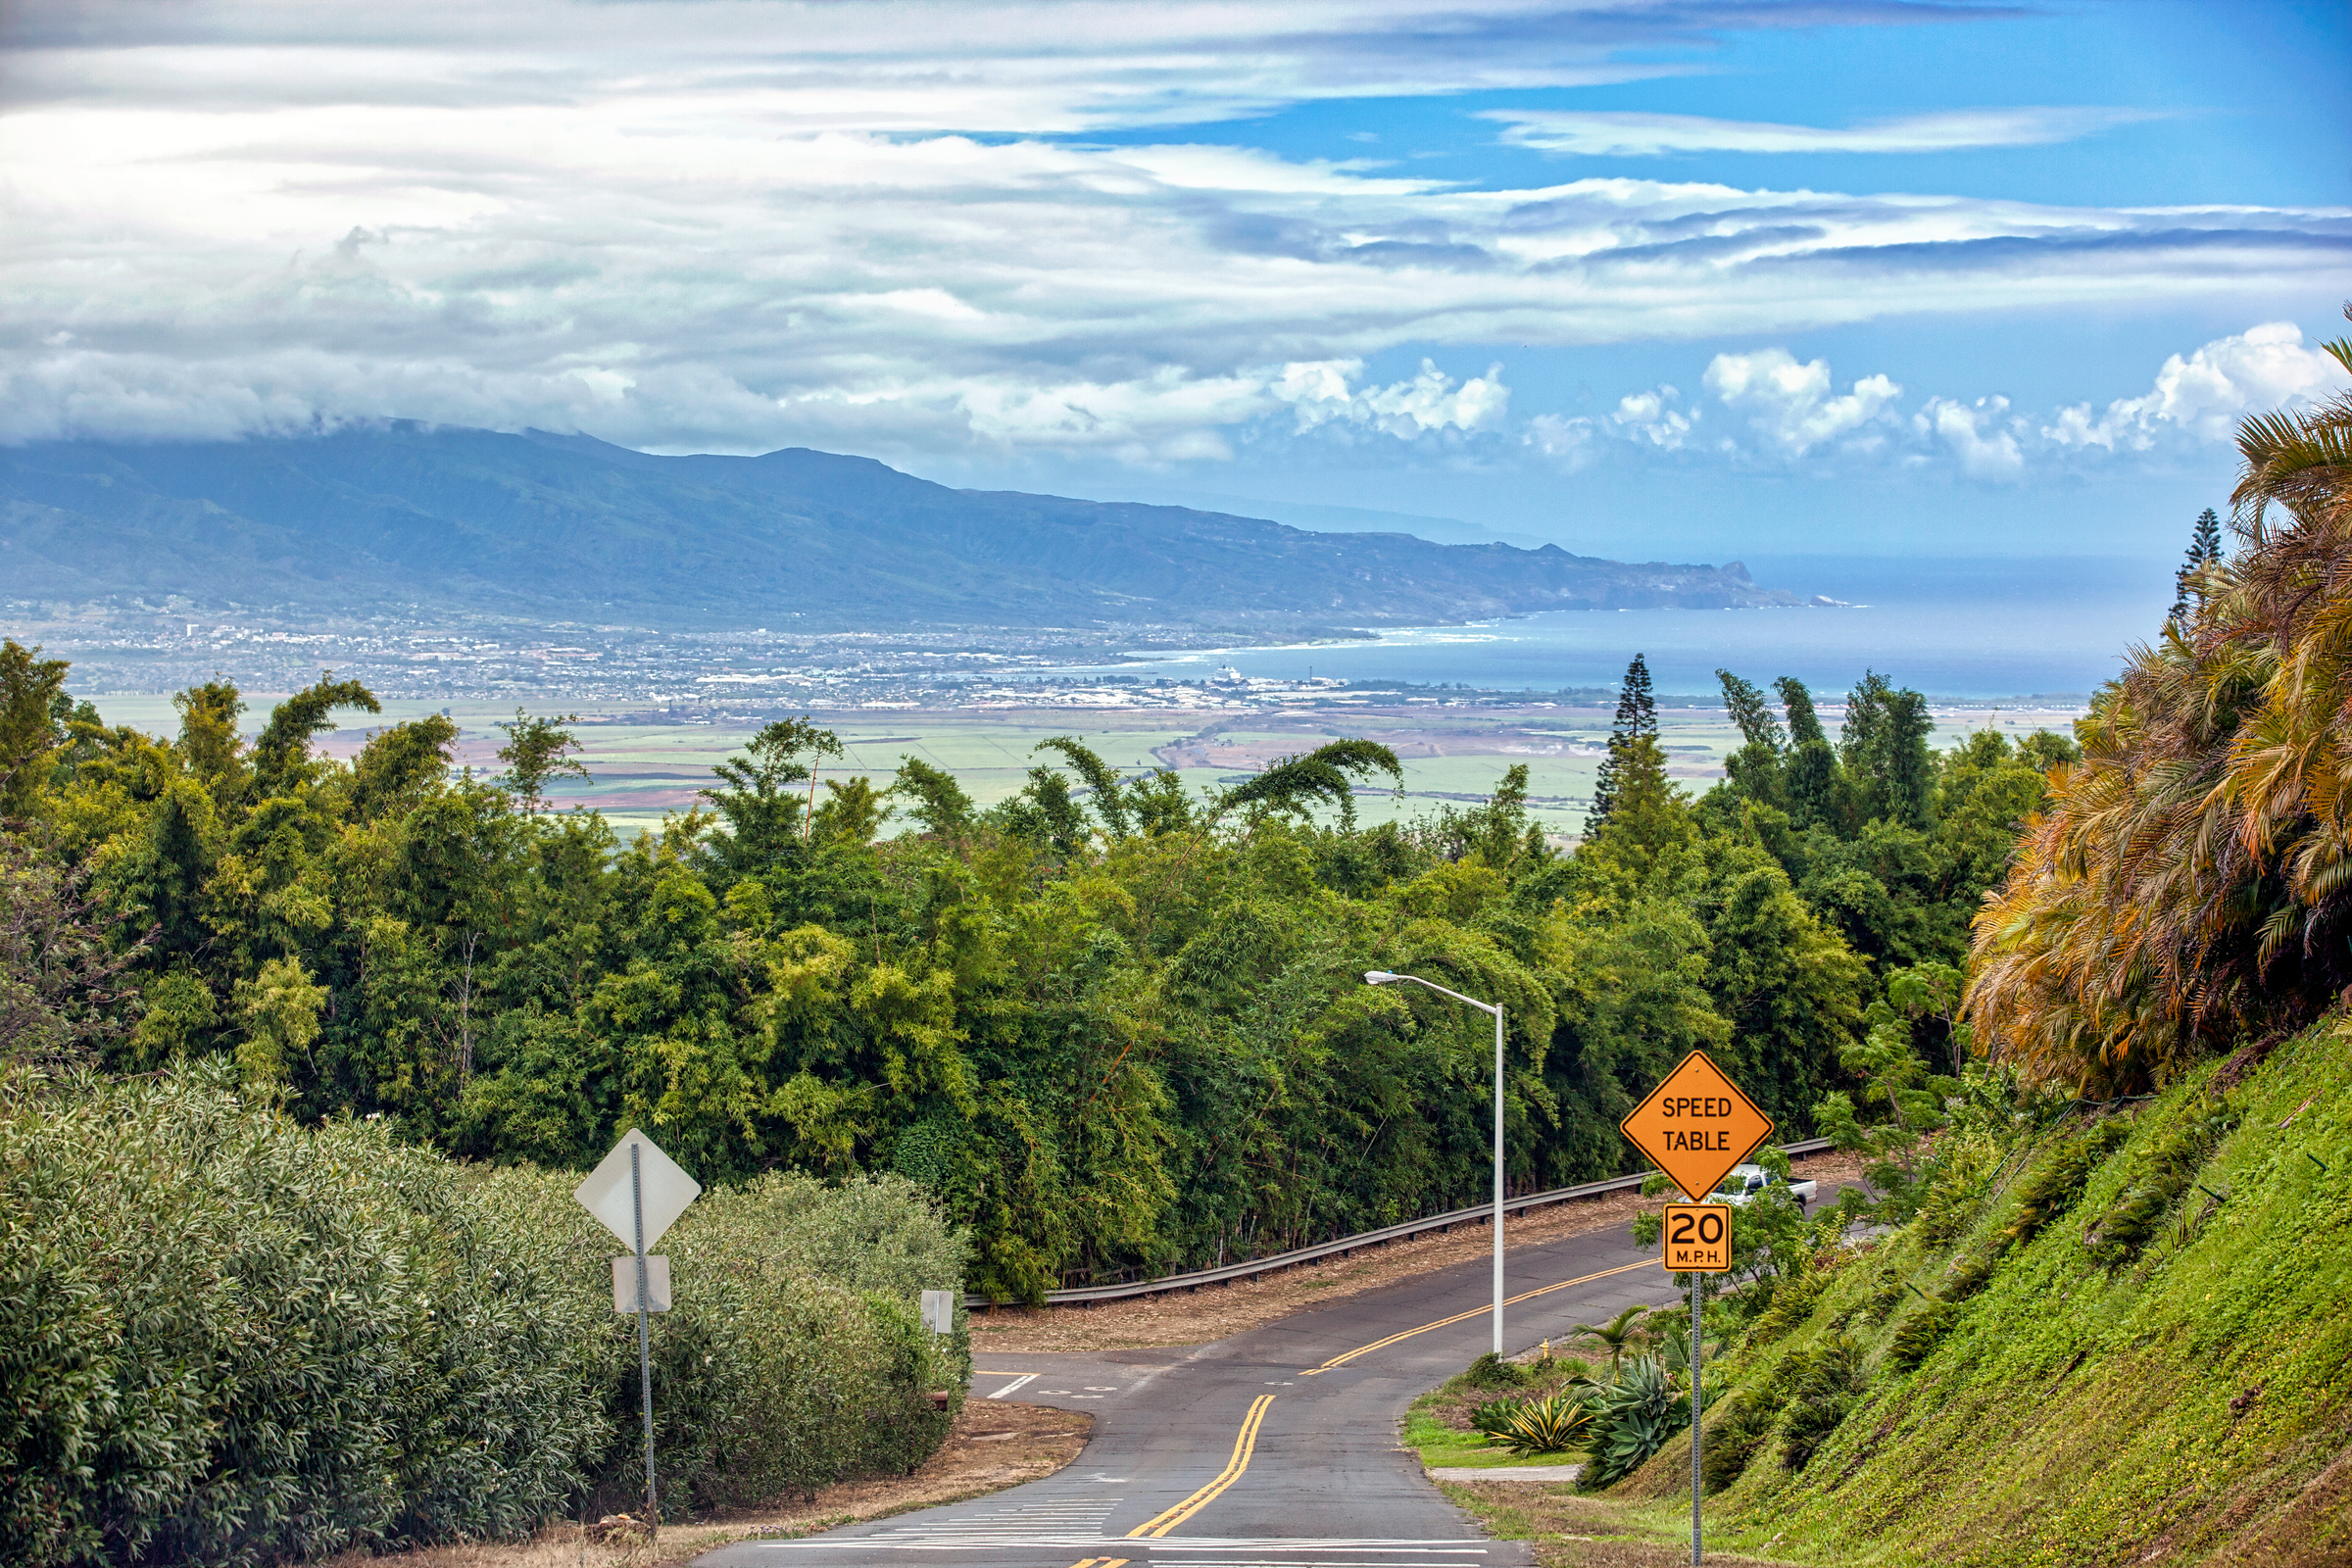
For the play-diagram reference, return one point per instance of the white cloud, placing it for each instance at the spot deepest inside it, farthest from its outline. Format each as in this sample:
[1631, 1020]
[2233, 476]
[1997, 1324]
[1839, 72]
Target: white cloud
[1790, 403]
[1321, 395]
[1981, 435]
[1599, 134]
[1017, 66]
[1566, 439]
[1793, 415]
[2204, 395]
[741, 224]
[1652, 416]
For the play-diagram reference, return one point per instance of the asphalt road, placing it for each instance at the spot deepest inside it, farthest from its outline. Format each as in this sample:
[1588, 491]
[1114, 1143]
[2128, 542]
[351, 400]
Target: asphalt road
[1274, 1448]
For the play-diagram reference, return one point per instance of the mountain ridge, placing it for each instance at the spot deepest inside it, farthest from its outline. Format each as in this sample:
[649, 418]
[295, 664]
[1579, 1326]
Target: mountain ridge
[547, 525]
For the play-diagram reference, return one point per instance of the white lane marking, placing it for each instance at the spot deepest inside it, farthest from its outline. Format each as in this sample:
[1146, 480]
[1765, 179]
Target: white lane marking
[1025, 1378]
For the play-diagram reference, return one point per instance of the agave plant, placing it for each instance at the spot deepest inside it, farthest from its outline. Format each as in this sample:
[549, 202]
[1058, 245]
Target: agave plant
[1632, 1417]
[1543, 1426]
[1494, 1417]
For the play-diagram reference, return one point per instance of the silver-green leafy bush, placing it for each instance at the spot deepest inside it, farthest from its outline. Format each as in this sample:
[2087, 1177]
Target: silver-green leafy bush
[795, 1356]
[229, 1339]
[226, 1339]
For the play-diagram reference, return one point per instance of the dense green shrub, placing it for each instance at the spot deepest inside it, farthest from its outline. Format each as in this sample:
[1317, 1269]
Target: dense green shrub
[1823, 1381]
[1792, 1301]
[1887, 1291]
[1492, 1371]
[1734, 1435]
[1945, 1213]
[1968, 1275]
[1915, 1337]
[229, 1339]
[2053, 1189]
[2162, 1174]
[795, 1357]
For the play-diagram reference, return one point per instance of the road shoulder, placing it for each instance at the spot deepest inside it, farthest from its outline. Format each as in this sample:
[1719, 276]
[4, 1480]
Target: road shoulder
[993, 1444]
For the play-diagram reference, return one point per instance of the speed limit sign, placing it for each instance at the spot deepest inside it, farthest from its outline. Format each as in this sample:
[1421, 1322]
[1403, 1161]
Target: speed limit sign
[1698, 1239]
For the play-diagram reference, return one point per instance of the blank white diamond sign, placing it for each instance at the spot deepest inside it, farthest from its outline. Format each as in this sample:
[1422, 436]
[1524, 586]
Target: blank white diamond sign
[668, 1190]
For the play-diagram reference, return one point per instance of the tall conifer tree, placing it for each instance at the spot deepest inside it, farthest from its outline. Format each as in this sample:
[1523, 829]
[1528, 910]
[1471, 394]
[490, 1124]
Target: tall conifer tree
[1637, 716]
[2204, 549]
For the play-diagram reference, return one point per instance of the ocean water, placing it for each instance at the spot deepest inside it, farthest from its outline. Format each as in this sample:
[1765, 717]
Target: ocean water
[1966, 629]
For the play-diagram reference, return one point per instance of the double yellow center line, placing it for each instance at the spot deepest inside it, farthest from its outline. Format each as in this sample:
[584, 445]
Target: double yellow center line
[1476, 1311]
[1245, 1444]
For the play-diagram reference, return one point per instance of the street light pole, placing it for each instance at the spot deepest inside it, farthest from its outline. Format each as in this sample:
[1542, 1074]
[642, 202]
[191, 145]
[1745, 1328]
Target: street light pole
[1381, 977]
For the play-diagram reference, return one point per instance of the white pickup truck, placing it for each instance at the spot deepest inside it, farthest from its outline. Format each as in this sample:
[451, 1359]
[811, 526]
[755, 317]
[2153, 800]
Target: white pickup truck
[1746, 1180]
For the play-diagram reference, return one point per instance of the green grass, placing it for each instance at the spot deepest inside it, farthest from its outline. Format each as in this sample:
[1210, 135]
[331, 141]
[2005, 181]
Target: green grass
[1434, 1425]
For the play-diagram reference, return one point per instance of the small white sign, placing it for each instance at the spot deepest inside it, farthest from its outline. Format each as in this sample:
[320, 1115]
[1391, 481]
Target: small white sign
[667, 1191]
[657, 1283]
[939, 1311]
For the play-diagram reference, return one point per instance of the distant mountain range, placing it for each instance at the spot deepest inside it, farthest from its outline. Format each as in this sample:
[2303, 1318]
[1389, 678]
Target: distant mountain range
[551, 528]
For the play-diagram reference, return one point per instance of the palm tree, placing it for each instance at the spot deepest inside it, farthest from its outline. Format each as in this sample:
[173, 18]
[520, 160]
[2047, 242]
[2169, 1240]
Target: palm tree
[2193, 876]
[1617, 1336]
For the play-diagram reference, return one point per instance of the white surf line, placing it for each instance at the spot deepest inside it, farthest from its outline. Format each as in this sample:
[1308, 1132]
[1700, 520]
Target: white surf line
[1023, 1381]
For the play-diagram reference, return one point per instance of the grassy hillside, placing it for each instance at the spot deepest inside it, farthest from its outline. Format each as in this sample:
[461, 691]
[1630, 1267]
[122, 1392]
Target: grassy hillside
[2157, 1372]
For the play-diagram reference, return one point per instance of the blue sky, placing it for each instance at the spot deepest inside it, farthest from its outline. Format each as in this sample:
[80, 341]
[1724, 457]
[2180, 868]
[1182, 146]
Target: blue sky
[1650, 277]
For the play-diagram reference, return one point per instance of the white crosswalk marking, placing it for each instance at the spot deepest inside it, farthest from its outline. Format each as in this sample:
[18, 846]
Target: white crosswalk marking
[1065, 1526]
[1076, 1523]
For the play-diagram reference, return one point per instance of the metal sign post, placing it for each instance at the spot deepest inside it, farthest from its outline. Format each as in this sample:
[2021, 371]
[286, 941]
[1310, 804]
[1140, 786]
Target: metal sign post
[1696, 1348]
[1698, 1243]
[645, 1354]
[1696, 1126]
[636, 1193]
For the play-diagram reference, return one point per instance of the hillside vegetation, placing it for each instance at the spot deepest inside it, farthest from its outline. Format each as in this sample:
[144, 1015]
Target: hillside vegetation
[2118, 1333]
[2118, 1339]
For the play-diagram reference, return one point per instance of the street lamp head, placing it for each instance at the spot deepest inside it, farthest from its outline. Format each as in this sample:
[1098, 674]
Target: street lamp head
[1378, 977]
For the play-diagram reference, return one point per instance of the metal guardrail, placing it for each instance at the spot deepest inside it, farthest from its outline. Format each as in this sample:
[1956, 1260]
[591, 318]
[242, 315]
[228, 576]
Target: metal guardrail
[1340, 1246]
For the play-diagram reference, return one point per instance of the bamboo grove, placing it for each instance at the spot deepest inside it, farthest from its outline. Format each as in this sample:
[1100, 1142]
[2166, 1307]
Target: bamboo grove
[1110, 1025]
[2191, 879]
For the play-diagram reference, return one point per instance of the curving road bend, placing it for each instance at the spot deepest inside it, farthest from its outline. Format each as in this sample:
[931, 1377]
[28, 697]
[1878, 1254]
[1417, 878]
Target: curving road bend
[1274, 1448]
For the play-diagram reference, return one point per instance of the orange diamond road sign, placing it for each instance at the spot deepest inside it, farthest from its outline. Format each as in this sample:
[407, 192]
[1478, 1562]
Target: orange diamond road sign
[1697, 1125]
[1698, 1239]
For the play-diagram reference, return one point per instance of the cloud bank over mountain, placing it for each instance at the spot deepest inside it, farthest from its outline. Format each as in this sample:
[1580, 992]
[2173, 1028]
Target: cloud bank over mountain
[964, 231]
